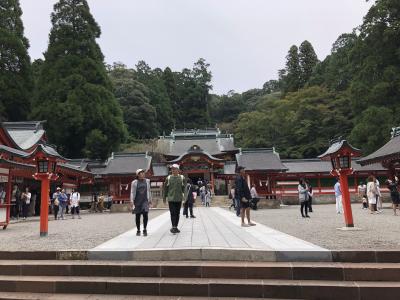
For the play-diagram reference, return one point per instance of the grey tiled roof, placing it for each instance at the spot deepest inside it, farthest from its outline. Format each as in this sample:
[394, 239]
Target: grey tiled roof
[25, 134]
[213, 146]
[124, 164]
[13, 151]
[316, 165]
[390, 149]
[260, 160]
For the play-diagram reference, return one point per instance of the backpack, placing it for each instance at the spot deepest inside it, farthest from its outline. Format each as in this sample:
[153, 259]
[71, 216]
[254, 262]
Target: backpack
[181, 176]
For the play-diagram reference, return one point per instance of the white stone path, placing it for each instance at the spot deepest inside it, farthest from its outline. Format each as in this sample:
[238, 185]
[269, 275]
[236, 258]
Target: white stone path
[214, 228]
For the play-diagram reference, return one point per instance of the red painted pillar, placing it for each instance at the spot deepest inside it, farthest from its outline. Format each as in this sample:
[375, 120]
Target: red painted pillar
[344, 187]
[8, 197]
[44, 206]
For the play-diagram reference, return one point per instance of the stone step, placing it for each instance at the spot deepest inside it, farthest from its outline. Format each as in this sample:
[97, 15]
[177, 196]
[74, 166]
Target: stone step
[201, 287]
[48, 296]
[214, 270]
[345, 256]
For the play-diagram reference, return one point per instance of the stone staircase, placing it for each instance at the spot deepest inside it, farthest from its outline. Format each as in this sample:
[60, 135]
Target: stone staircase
[81, 279]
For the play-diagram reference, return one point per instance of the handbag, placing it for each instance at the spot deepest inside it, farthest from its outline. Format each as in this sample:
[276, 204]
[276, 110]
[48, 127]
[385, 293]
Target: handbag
[56, 202]
[244, 200]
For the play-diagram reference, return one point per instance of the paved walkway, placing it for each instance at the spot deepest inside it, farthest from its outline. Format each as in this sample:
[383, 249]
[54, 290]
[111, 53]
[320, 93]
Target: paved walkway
[215, 234]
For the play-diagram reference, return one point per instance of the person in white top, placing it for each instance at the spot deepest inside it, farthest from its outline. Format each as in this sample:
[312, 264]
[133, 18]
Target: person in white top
[26, 201]
[378, 196]
[372, 193]
[75, 199]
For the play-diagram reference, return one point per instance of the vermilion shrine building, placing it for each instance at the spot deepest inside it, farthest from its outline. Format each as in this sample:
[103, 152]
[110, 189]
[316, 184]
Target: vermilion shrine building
[208, 155]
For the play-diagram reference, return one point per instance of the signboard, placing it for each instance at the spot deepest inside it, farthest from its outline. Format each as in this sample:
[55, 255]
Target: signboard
[3, 178]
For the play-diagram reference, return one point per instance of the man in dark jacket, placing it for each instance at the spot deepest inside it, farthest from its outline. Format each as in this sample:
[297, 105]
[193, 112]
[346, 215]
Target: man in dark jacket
[243, 196]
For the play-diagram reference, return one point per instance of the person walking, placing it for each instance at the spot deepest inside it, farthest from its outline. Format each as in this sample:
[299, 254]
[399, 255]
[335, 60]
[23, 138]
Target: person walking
[207, 197]
[243, 197]
[190, 198]
[141, 200]
[100, 204]
[254, 197]
[232, 197]
[26, 201]
[75, 199]
[15, 199]
[378, 196]
[62, 198]
[372, 193]
[338, 197]
[393, 186]
[362, 194]
[173, 192]
[303, 198]
[56, 203]
[310, 196]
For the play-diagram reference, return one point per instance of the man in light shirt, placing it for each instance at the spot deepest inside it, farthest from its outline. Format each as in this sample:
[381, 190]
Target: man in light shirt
[338, 196]
[75, 198]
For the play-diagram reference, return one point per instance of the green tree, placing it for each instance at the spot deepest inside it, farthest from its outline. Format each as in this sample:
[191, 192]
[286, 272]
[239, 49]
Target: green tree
[74, 92]
[16, 79]
[292, 75]
[170, 85]
[372, 129]
[158, 95]
[308, 60]
[133, 96]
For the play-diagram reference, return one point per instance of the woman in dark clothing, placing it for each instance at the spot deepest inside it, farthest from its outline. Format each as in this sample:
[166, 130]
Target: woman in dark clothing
[188, 206]
[310, 196]
[303, 198]
[394, 193]
[141, 200]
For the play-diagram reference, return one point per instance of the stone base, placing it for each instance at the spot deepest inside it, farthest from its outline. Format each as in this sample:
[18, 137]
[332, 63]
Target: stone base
[126, 207]
[349, 228]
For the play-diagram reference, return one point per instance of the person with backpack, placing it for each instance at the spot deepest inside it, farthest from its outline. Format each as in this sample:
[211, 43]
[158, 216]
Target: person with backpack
[174, 192]
[141, 200]
[75, 199]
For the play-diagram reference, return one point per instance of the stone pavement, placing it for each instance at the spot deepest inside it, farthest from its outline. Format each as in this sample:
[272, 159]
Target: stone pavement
[215, 234]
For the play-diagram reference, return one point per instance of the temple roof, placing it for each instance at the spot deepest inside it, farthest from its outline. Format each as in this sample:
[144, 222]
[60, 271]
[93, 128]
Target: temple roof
[390, 150]
[262, 159]
[123, 164]
[25, 134]
[210, 140]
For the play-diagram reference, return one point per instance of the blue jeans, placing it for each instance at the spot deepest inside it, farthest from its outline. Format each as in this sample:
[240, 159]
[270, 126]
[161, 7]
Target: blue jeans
[237, 206]
[63, 205]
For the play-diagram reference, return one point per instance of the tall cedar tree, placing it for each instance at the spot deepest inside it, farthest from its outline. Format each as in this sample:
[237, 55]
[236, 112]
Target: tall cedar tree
[16, 79]
[293, 70]
[74, 93]
[308, 60]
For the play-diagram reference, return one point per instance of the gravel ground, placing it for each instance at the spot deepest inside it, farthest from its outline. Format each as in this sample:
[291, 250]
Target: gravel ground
[78, 234]
[380, 231]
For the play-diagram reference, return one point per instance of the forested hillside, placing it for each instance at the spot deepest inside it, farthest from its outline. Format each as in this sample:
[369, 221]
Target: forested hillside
[93, 109]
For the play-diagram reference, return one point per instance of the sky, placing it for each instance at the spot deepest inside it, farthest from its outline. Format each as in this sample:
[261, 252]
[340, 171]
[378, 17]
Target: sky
[244, 41]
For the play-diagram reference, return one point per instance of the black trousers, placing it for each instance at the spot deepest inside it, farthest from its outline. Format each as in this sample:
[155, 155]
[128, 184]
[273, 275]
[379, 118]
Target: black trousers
[25, 208]
[304, 206]
[55, 211]
[310, 204]
[75, 209]
[145, 220]
[174, 209]
[188, 208]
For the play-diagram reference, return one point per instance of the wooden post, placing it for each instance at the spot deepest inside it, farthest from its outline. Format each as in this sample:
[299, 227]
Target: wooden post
[344, 187]
[44, 206]
[8, 196]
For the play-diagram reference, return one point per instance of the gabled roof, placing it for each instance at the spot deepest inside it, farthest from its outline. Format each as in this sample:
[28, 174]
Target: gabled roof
[210, 140]
[25, 134]
[263, 159]
[124, 164]
[195, 150]
[391, 150]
